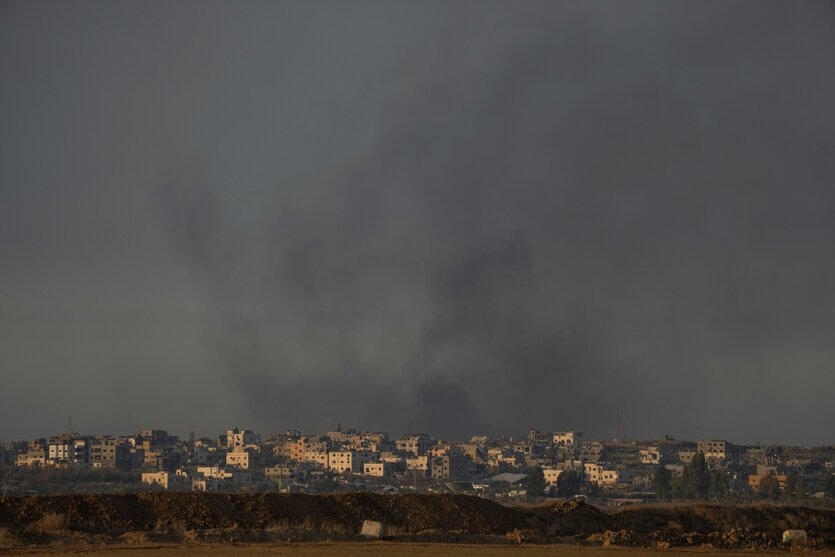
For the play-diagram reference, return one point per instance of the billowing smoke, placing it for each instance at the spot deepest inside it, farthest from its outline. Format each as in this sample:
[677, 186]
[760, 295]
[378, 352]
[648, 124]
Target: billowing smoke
[503, 215]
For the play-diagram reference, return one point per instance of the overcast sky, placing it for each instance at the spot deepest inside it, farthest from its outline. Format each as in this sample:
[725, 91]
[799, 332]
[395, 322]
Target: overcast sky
[457, 217]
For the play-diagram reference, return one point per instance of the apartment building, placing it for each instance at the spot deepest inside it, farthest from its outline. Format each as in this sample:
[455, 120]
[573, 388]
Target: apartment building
[567, 438]
[414, 443]
[236, 437]
[717, 449]
[350, 461]
[377, 469]
[244, 458]
[452, 466]
[551, 474]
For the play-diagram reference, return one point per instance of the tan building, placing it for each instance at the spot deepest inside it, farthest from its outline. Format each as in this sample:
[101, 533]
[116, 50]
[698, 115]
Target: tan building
[592, 452]
[599, 475]
[236, 437]
[244, 458]
[415, 444]
[716, 449]
[592, 472]
[754, 481]
[418, 464]
[567, 438]
[609, 478]
[318, 456]
[452, 465]
[103, 452]
[214, 478]
[167, 481]
[304, 445]
[650, 455]
[551, 475]
[33, 457]
[350, 461]
[279, 473]
[377, 469]
[686, 455]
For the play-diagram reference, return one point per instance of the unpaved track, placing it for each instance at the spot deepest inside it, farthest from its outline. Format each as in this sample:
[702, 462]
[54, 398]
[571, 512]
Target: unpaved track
[380, 549]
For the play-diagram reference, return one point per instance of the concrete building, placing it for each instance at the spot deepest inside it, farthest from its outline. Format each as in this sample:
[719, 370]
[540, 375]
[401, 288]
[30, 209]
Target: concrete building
[244, 458]
[592, 472]
[592, 452]
[280, 473]
[717, 449]
[167, 480]
[236, 437]
[551, 475]
[32, 457]
[350, 461]
[103, 452]
[377, 469]
[650, 455]
[414, 444]
[213, 478]
[569, 438]
[320, 457]
[608, 478]
[451, 466]
[418, 464]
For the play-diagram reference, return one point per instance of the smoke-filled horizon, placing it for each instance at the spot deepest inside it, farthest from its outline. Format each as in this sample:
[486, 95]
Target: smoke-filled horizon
[457, 218]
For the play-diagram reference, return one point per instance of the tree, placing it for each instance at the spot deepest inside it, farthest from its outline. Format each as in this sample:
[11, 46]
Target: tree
[800, 488]
[662, 483]
[791, 483]
[718, 485]
[769, 487]
[698, 485]
[829, 488]
[694, 483]
[569, 483]
[536, 481]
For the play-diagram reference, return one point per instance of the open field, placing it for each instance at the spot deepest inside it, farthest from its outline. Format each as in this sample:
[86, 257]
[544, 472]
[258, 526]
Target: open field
[375, 549]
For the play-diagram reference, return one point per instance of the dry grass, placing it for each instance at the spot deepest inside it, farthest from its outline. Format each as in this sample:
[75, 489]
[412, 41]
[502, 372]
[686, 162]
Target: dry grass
[49, 523]
[7, 538]
[380, 549]
[310, 524]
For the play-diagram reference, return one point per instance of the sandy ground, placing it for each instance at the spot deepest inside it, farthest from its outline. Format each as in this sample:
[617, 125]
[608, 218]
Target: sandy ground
[372, 549]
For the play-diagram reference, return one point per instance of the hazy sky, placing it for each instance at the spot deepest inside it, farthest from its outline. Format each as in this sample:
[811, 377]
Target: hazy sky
[458, 217]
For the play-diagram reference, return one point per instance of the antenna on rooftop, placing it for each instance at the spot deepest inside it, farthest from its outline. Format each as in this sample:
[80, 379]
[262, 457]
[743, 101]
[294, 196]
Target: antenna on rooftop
[69, 426]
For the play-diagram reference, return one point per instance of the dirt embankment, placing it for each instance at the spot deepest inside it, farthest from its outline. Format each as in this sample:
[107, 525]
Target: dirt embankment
[197, 517]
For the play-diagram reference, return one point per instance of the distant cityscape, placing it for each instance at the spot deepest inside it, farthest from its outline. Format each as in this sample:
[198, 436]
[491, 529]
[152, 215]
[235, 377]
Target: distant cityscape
[536, 465]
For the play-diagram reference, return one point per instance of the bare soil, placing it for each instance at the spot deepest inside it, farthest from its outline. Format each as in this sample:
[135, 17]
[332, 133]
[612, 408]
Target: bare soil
[212, 520]
[373, 549]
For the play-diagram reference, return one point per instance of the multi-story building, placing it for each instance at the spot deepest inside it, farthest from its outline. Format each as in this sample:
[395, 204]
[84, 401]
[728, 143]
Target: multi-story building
[551, 474]
[414, 443]
[350, 461]
[567, 438]
[592, 472]
[717, 449]
[244, 458]
[377, 469]
[167, 480]
[320, 457]
[236, 437]
[591, 452]
[657, 454]
[451, 466]
[418, 464]
[103, 452]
